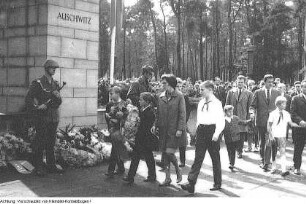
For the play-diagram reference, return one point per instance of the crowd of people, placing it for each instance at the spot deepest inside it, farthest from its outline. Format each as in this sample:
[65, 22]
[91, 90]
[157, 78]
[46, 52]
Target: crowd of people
[237, 111]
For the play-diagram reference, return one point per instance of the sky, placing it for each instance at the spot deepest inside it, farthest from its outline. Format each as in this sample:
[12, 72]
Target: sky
[156, 8]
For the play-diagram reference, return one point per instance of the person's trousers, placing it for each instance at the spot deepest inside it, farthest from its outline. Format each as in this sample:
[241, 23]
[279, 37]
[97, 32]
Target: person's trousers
[279, 143]
[299, 143]
[182, 154]
[115, 160]
[44, 141]
[231, 150]
[203, 143]
[148, 156]
[265, 149]
[243, 136]
[256, 138]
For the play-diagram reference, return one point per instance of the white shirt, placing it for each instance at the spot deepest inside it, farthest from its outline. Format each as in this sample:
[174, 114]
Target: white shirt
[213, 116]
[279, 129]
[266, 91]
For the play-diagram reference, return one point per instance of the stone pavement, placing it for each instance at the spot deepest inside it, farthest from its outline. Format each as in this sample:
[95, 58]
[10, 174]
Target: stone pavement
[248, 181]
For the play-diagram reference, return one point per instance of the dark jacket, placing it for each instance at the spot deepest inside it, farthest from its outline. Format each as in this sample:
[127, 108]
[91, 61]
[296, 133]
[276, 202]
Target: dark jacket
[262, 107]
[111, 120]
[241, 105]
[43, 92]
[188, 107]
[298, 111]
[288, 97]
[231, 130]
[147, 119]
[138, 87]
[220, 93]
[171, 117]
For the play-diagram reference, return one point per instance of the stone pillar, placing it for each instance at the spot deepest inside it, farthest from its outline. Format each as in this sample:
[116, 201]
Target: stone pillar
[63, 30]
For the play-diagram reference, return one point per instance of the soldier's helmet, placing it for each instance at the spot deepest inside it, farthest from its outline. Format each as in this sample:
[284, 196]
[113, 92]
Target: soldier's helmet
[50, 64]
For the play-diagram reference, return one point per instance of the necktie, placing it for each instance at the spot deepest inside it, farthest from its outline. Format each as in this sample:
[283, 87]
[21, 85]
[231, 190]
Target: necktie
[268, 96]
[280, 117]
[239, 94]
[206, 103]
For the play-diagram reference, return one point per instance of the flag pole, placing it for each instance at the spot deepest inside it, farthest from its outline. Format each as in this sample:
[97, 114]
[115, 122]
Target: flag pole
[112, 60]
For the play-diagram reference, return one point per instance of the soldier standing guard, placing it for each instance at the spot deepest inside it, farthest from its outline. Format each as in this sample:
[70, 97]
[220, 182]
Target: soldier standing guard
[43, 100]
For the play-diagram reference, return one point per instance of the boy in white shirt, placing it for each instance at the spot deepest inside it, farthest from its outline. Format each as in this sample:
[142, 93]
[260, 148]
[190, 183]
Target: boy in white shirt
[277, 128]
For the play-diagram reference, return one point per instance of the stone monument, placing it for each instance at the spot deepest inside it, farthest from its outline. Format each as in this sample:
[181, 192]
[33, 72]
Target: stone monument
[32, 31]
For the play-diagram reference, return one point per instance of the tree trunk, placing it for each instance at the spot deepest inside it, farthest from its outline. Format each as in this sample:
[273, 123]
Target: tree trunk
[155, 43]
[177, 11]
[300, 43]
[217, 39]
[123, 58]
[230, 37]
[165, 35]
[206, 60]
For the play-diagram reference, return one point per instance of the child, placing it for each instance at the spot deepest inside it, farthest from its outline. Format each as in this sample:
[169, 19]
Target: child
[252, 133]
[115, 115]
[143, 147]
[277, 128]
[231, 133]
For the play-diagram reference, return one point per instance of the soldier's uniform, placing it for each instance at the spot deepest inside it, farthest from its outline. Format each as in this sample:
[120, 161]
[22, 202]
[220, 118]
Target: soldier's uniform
[41, 91]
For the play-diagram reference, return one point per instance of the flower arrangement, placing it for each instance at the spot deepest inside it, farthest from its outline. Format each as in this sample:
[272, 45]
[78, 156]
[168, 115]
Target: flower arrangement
[131, 123]
[80, 147]
[12, 148]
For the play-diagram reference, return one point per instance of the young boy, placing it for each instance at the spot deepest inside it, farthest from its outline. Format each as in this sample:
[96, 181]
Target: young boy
[115, 114]
[277, 128]
[231, 133]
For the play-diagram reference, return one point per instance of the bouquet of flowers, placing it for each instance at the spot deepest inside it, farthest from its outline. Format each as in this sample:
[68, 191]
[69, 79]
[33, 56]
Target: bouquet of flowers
[81, 147]
[131, 124]
[12, 147]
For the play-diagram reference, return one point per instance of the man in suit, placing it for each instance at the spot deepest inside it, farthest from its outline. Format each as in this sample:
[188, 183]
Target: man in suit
[297, 87]
[263, 103]
[43, 101]
[298, 114]
[241, 100]
[219, 91]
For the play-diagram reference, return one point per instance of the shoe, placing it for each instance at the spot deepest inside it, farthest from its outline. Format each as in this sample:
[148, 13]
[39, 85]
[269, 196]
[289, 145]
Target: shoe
[128, 180]
[165, 183]
[262, 165]
[150, 179]
[54, 169]
[297, 172]
[215, 188]
[188, 187]
[231, 167]
[286, 173]
[239, 156]
[109, 174]
[266, 168]
[182, 165]
[119, 172]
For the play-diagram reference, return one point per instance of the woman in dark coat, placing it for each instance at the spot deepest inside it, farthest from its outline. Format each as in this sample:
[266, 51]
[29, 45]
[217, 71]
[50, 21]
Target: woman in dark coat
[171, 124]
[143, 148]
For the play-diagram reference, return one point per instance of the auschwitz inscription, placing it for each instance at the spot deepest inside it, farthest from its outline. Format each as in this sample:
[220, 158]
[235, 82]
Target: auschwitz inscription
[74, 18]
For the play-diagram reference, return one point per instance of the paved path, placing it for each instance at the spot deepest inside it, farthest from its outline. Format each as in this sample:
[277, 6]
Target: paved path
[248, 181]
